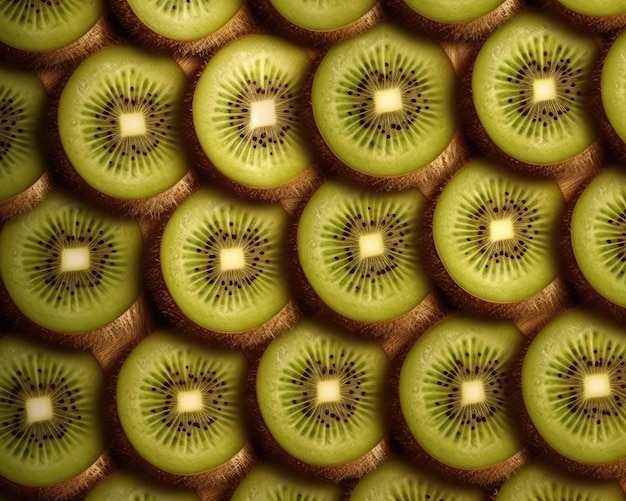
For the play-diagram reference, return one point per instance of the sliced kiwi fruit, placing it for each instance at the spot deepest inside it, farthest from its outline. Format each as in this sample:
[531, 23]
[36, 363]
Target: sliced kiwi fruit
[360, 251]
[320, 401]
[274, 483]
[540, 479]
[611, 90]
[530, 84]
[119, 124]
[23, 107]
[397, 479]
[602, 17]
[69, 267]
[454, 395]
[573, 391]
[495, 236]
[179, 405]
[51, 419]
[217, 268]
[383, 104]
[129, 484]
[245, 111]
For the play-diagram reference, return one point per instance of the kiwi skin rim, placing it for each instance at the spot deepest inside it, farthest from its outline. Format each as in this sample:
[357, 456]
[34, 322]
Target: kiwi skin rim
[582, 22]
[28, 198]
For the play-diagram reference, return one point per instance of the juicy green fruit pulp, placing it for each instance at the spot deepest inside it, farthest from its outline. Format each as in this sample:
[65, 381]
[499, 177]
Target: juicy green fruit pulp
[529, 85]
[383, 101]
[573, 387]
[119, 122]
[597, 7]
[126, 485]
[70, 267]
[494, 232]
[453, 11]
[360, 250]
[246, 107]
[453, 392]
[598, 234]
[222, 260]
[328, 424]
[613, 86]
[322, 15]
[179, 403]
[50, 412]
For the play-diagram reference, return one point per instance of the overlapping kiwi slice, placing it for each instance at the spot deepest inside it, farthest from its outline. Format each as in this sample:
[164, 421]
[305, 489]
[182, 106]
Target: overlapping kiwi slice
[130, 485]
[603, 16]
[69, 267]
[51, 420]
[573, 390]
[612, 93]
[179, 405]
[530, 86]
[453, 390]
[383, 102]
[321, 398]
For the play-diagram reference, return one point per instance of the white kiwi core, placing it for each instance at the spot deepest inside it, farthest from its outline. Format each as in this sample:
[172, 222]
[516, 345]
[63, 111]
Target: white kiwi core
[371, 245]
[388, 100]
[189, 401]
[596, 386]
[472, 392]
[262, 114]
[75, 259]
[232, 259]
[544, 89]
[501, 229]
[328, 391]
[38, 409]
[132, 124]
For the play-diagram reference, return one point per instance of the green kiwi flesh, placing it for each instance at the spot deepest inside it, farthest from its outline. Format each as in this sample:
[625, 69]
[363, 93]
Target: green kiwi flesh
[179, 403]
[23, 105]
[596, 8]
[320, 394]
[598, 234]
[119, 122]
[70, 267]
[612, 86]
[529, 88]
[573, 388]
[323, 15]
[45, 26]
[456, 11]
[273, 483]
[495, 232]
[50, 412]
[359, 250]
[541, 480]
[246, 107]
[397, 479]
[222, 260]
[129, 485]
[453, 390]
[383, 101]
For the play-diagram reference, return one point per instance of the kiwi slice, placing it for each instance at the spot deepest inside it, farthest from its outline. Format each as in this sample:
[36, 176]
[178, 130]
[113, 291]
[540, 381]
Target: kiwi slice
[359, 251]
[453, 392]
[530, 85]
[494, 234]
[611, 89]
[245, 110]
[542, 480]
[274, 483]
[130, 485]
[397, 479]
[69, 267]
[573, 390]
[119, 123]
[218, 270]
[321, 396]
[51, 427]
[23, 105]
[603, 17]
[383, 102]
[179, 406]
[598, 237]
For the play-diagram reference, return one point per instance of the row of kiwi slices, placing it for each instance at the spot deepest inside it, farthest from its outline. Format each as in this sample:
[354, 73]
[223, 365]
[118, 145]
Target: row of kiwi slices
[321, 250]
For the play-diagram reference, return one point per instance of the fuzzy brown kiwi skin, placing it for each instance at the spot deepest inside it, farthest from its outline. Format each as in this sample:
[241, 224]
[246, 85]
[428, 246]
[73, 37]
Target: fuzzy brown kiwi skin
[28, 198]
[475, 30]
[269, 17]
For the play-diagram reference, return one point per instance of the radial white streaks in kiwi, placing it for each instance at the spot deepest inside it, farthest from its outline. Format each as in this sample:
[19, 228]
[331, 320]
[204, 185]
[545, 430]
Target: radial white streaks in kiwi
[79, 288]
[409, 488]
[40, 13]
[373, 276]
[183, 372]
[260, 80]
[471, 360]
[71, 413]
[128, 93]
[610, 236]
[327, 421]
[233, 287]
[542, 58]
[182, 10]
[14, 128]
[589, 353]
[497, 201]
[380, 69]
